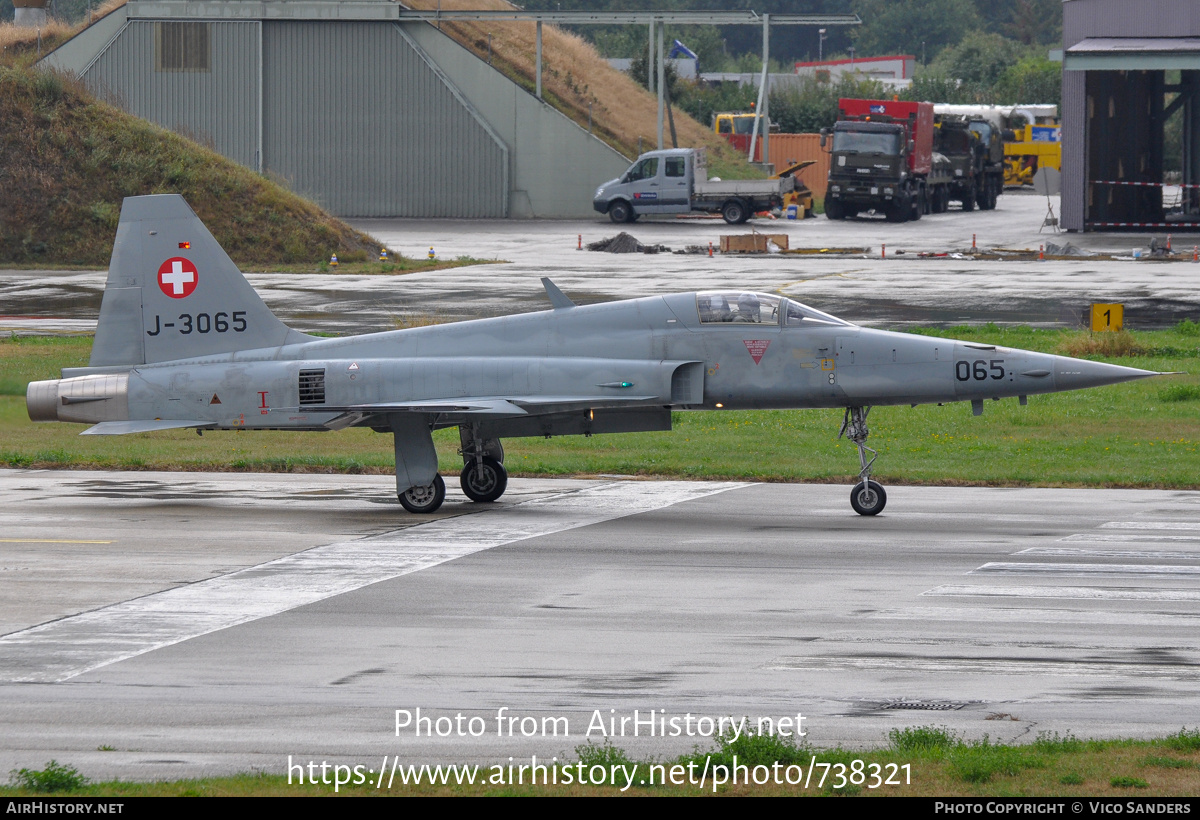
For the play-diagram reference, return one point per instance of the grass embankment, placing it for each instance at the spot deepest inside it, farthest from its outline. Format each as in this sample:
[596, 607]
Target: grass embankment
[575, 79]
[922, 761]
[1140, 434]
[69, 160]
[575, 76]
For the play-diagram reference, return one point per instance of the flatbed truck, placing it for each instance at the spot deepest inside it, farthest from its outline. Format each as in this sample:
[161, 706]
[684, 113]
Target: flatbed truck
[675, 181]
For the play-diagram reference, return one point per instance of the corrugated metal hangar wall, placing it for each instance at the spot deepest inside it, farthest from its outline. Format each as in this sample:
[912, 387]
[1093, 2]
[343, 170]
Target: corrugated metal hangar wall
[366, 117]
[1119, 64]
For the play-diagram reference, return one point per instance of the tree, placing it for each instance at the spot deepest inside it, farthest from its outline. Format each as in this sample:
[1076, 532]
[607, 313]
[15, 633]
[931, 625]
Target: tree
[892, 27]
[979, 59]
[1032, 80]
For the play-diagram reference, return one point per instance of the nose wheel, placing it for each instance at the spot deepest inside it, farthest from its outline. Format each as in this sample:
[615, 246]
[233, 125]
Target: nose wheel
[867, 497]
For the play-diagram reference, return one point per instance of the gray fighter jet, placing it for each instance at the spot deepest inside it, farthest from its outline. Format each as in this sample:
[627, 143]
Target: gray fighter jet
[184, 341]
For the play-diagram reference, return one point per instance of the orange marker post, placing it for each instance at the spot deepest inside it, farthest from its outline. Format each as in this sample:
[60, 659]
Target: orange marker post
[580, 246]
[883, 251]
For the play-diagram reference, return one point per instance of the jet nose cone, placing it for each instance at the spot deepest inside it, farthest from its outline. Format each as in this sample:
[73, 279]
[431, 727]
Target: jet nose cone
[1074, 374]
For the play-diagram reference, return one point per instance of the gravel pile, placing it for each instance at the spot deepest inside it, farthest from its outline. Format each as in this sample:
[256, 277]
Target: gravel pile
[624, 243]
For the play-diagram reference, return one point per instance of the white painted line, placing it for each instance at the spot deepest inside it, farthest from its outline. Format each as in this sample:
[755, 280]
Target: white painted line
[1128, 539]
[1072, 551]
[1027, 615]
[986, 666]
[1151, 525]
[60, 650]
[1015, 568]
[1077, 593]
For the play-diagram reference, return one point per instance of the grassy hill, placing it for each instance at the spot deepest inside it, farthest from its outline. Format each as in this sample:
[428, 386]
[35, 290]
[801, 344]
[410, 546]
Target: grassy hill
[67, 161]
[576, 80]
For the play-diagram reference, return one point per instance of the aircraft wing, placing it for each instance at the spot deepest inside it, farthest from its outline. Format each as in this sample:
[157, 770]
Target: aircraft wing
[351, 415]
[487, 406]
[473, 406]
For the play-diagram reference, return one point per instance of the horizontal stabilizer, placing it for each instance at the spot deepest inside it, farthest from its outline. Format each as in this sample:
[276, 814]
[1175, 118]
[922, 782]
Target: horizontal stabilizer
[122, 428]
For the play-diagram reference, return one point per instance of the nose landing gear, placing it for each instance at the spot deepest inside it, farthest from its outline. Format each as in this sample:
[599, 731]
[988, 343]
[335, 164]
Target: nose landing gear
[867, 497]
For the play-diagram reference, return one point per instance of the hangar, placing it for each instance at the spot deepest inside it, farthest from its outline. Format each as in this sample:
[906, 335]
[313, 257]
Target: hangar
[1130, 69]
[347, 104]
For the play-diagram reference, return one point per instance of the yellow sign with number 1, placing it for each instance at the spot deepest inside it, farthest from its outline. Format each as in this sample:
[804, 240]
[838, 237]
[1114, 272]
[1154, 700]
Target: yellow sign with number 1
[1107, 317]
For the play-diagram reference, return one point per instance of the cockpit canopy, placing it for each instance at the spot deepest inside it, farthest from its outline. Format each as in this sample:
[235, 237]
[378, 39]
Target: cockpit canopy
[747, 307]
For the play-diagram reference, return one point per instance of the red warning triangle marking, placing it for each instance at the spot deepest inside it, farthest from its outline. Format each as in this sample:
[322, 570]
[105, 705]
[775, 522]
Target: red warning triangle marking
[215, 400]
[756, 347]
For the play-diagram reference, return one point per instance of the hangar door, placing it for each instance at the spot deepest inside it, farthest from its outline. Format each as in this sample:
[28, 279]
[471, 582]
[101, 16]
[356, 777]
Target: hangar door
[357, 118]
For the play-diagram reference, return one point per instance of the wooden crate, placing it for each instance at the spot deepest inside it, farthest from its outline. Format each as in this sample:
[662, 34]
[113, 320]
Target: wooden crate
[753, 242]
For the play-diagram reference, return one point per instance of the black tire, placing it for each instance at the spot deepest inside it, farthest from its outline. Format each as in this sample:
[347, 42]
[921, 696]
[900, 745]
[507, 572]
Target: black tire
[488, 487]
[993, 194]
[835, 210]
[620, 212]
[735, 212]
[918, 207]
[968, 200]
[869, 500]
[981, 199]
[423, 500]
[899, 210]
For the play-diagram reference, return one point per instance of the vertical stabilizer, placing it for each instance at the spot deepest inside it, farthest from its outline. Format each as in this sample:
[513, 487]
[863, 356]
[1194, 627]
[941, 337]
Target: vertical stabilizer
[173, 293]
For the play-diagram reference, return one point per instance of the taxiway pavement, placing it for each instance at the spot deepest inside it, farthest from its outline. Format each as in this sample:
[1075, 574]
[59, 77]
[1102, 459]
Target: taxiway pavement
[165, 625]
[895, 292]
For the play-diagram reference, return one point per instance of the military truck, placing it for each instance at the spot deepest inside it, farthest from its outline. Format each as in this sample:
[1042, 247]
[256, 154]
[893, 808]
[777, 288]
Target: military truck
[974, 146]
[675, 181]
[961, 146]
[883, 160]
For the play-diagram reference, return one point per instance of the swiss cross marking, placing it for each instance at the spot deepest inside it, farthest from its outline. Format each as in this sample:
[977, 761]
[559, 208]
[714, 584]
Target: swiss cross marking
[177, 277]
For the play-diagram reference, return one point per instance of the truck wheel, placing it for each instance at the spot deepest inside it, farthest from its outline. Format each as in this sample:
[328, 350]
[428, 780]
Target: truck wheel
[968, 200]
[620, 212]
[918, 207]
[835, 210]
[734, 212]
[899, 210]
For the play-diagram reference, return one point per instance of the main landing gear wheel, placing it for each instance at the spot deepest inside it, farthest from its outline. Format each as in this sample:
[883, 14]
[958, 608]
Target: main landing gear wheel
[867, 497]
[424, 499]
[485, 481]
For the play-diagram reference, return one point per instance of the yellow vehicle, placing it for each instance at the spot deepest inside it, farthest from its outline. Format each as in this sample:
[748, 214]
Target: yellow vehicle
[734, 123]
[1034, 146]
[800, 196]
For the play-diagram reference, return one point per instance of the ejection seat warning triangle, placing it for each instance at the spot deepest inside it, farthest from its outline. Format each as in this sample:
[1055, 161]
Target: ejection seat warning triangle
[756, 347]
